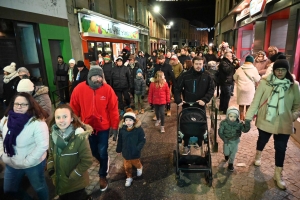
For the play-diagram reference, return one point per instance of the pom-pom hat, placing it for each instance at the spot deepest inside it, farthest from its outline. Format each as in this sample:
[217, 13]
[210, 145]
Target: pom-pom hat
[129, 114]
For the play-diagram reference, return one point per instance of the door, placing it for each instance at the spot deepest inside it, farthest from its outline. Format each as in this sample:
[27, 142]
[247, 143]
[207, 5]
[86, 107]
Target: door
[55, 50]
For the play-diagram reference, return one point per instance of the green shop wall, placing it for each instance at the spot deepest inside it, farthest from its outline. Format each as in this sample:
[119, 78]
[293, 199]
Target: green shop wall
[52, 32]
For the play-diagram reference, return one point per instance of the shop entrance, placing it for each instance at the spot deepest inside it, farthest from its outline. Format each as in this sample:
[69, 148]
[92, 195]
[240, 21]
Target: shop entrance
[54, 46]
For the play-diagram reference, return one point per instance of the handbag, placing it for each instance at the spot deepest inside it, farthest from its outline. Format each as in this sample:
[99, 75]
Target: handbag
[255, 116]
[249, 77]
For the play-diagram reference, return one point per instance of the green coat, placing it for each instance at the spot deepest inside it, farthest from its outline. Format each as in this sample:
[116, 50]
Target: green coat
[230, 130]
[72, 162]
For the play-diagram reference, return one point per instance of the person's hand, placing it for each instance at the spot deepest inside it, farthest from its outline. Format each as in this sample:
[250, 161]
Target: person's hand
[180, 104]
[142, 97]
[247, 126]
[201, 103]
[168, 106]
[115, 134]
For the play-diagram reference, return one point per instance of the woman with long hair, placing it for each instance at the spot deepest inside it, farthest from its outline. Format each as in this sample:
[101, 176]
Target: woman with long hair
[25, 141]
[159, 97]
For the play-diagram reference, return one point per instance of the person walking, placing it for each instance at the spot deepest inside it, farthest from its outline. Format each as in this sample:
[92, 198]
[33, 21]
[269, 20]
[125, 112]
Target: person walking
[69, 154]
[139, 92]
[25, 141]
[159, 97]
[276, 103]
[10, 82]
[260, 62]
[246, 78]
[95, 102]
[61, 77]
[131, 140]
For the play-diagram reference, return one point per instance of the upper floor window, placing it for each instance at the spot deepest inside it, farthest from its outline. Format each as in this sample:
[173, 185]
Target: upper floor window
[130, 14]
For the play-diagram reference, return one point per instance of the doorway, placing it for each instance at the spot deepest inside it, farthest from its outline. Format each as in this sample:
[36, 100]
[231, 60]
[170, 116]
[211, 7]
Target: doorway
[55, 50]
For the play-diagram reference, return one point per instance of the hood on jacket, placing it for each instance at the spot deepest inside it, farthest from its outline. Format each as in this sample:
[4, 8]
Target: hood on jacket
[235, 110]
[264, 60]
[137, 124]
[39, 90]
[247, 66]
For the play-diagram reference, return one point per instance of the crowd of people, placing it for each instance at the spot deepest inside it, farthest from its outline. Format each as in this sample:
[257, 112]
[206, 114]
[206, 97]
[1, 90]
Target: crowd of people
[65, 140]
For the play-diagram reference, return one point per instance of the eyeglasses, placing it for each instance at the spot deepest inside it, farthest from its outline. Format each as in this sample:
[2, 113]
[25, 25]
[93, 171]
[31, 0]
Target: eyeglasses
[23, 105]
[280, 70]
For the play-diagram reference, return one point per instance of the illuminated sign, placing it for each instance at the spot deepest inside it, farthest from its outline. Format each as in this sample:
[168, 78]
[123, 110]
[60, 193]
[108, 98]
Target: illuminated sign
[257, 6]
[243, 14]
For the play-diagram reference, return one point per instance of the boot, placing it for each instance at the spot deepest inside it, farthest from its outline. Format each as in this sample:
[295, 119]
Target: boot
[142, 111]
[277, 178]
[136, 112]
[154, 118]
[257, 158]
[169, 113]
[242, 117]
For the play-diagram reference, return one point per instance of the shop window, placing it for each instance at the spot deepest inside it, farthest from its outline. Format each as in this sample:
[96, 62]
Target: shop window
[28, 44]
[99, 47]
[279, 33]
[91, 51]
[107, 48]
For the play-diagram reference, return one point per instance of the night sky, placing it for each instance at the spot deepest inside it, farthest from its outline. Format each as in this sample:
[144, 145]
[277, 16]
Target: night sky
[201, 10]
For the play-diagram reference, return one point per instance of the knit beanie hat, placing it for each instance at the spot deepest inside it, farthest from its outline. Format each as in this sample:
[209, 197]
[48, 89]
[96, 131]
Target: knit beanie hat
[119, 58]
[281, 63]
[261, 52]
[129, 114]
[139, 71]
[95, 70]
[25, 85]
[10, 68]
[249, 58]
[107, 57]
[233, 109]
[80, 63]
[72, 61]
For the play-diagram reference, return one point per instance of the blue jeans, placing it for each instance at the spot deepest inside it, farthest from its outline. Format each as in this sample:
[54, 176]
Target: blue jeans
[13, 178]
[99, 145]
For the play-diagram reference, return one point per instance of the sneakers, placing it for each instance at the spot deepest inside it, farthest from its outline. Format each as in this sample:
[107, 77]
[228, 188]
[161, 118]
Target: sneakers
[128, 182]
[226, 158]
[157, 123]
[162, 129]
[230, 167]
[186, 151]
[142, 111]
[139, 172]
[154, 118]
[103, 184]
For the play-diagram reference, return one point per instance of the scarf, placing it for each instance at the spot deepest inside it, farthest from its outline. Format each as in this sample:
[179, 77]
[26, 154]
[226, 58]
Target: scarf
[276, 99]
[70, 73]
[15, 125]
[9, 77]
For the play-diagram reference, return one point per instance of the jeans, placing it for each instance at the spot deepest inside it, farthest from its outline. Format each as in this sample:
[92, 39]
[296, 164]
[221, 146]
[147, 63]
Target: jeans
[225, 97]
[160, 113]
[280, 144]
[13, 178]
[99, 145]
[120, 94]
[138, 99]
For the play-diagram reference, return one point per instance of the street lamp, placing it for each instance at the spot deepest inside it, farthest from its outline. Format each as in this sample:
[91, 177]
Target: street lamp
[156, 9]
[171, 23]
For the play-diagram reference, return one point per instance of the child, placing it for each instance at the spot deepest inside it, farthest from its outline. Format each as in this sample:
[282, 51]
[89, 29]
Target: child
[139, 91]
[159, 97]
[69, 154]
[230, 132]
[131, 140]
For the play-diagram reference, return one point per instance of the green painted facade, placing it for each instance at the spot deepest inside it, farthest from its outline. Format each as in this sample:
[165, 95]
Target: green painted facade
[52, 32]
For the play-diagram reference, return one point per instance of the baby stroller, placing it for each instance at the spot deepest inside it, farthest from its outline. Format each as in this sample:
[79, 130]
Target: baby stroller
[192, 122]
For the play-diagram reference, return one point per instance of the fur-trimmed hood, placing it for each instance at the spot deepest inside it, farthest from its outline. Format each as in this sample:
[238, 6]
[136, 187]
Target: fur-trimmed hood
[39, 90]
[137, 124]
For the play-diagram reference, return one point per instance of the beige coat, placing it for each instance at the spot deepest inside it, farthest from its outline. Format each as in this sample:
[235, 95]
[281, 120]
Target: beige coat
[283, 123]
[177, 69]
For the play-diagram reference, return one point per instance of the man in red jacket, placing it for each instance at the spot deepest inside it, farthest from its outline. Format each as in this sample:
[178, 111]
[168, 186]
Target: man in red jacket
[96, 104]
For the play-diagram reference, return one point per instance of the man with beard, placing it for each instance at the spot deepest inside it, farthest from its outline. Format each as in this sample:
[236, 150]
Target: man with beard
[184, 55]
[169, 75]
[133, 66]
[62, 79]
[96, 104]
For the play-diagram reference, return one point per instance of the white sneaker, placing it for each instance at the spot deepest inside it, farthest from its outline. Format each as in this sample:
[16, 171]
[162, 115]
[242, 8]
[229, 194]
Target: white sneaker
[128, 182]
[139, 172]
[157, 123]
[162, 129]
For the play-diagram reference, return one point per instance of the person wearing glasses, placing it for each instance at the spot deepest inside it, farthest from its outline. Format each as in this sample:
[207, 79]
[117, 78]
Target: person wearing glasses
[276, 103]
[260, 62]
[25, 143]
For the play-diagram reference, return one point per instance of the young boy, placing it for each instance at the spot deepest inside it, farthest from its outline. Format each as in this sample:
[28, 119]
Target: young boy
[230, 132]
[130, 143]
[139, 91]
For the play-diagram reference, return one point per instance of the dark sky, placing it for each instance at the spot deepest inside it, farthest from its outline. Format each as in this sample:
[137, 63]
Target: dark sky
[201, 10]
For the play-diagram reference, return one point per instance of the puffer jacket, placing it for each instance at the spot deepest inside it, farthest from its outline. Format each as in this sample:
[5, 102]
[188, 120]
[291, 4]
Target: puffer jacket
[130, 143]
[133, 70]
[226, 71]
[261, 65]
[42, 98]
[139, 86]
[71, 163]
[159, 95]
[229, 130]
[107, 68]
[120, 78]
[10, 88]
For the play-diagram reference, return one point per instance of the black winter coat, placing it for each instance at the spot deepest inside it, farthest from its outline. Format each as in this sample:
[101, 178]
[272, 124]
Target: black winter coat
[130, 143]
[194, 86]
[167, 70]
[10, 89]
[142, 61]
[120, 78]
[183, 58]
[139, 86]
[133, 72]
[82, 78]
[226, 72]
[107, 68]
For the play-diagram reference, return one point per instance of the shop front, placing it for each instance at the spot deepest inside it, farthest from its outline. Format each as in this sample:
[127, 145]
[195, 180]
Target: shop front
[101, 34]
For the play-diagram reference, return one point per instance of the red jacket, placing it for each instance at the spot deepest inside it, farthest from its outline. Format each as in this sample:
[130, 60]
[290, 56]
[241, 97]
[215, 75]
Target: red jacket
[98, 108]
[159, 95]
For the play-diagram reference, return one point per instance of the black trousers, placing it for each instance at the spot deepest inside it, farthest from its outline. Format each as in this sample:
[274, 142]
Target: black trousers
[280, 144]
[120, 94]
[225, 97]
[79, 194]
[63, 89]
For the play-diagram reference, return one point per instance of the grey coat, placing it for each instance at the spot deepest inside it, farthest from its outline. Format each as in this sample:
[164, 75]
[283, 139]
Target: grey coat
[139, 86]
[42, 98]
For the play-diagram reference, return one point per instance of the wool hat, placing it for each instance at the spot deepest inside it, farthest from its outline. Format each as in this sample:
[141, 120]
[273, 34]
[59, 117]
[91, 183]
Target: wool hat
[10, 68]
[174, 57]
[233, 109]
[249, 58]
[95, 70]
[281, 63]
[107, 57]
[80, 63]
[60, 56]
[139, 71]
[25, 85]
[119, 58]
[129, 114]
[72, 61]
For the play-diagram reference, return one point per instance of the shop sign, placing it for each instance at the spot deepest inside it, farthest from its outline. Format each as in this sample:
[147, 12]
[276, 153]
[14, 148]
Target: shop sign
[257, 6]
[144, 32]
[105, 27]
[243, 14]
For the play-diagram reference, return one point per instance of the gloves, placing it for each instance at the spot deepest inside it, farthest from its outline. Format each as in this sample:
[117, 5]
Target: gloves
[115, 134]
[168, 106]
[142, 97]
[247, 126]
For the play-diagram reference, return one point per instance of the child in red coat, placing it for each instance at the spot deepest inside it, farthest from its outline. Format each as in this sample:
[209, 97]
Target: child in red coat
[159, 97]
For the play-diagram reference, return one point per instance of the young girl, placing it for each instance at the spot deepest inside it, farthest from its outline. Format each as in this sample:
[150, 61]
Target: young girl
[131, 140]
[69, 154]
[159, 97]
